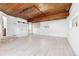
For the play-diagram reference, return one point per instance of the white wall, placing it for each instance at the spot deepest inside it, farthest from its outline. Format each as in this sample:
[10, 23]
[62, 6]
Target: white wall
[13, 27]
[74, 30]
[1, 25]
[16, 29]
[52, 28]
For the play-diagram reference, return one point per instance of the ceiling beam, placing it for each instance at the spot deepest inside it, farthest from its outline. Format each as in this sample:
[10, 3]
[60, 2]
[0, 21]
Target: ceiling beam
[50, 17]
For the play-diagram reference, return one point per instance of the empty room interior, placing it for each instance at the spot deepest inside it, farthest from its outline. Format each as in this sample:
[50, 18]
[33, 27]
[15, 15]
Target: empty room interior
[39, 29]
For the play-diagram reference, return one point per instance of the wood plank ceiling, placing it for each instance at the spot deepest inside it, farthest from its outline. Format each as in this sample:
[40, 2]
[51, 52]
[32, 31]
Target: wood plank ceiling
[36, 12]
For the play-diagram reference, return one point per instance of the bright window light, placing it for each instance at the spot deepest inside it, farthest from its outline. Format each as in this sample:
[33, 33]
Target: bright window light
[4, 21]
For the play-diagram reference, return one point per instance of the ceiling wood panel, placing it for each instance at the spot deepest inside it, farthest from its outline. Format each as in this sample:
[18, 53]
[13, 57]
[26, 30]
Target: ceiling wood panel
[14, 8]
[29, 13]
[55, 7]
[34, 12]
[50, 17]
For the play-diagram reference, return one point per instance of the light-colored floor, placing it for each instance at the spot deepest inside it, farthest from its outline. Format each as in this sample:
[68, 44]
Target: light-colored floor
[36, 45]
